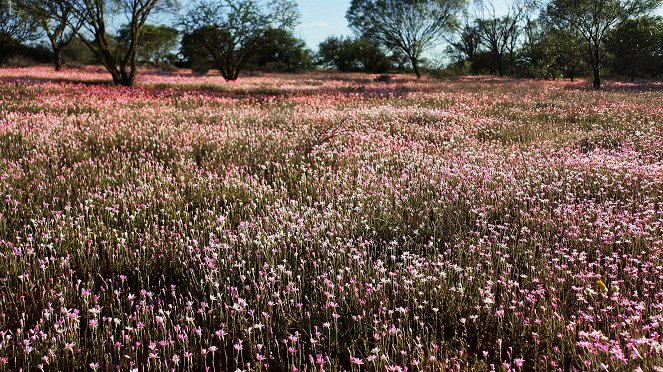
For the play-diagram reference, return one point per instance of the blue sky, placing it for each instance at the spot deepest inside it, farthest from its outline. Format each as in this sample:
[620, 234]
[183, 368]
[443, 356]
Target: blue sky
[322, 18]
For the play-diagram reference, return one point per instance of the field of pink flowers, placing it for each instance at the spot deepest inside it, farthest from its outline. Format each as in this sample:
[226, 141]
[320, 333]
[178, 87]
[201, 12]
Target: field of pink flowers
[329, 222]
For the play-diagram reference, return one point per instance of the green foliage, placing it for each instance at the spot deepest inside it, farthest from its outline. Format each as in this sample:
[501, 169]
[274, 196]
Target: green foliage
[465, 46]
[551, 52]
[500, 35]
[282, 51]
[57, 20]
[78, 53]
[593, 20]
[197, 51]
[349, 55]
[155, 43]
[119, 59]
[16, 27]
[636, 45]
[227, 34]
[413, 26]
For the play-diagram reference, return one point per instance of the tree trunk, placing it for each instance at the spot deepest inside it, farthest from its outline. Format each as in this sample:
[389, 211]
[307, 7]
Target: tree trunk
[633, 74]
[415, 67]
[597, 77]
[127, 81]
[572, 72]
[123, 79]
[229, 73]
[5, 52]
[500, 66]
[595, 55]
[57, 59]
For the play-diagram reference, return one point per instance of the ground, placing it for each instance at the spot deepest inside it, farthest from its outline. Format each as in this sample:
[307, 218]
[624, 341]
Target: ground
[324, 221]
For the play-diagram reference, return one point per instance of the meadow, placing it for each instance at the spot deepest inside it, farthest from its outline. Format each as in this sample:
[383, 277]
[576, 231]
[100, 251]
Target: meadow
[329, 222]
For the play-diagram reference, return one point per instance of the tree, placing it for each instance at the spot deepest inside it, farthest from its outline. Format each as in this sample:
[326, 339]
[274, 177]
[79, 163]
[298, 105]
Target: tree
[548, 51]
[155, 43]
[634, 45]
[499, 34]
[594, 19]
[282, 51]
[120, 59]
[348, 55]
[58, 22]
[337, 52]
[412, 26]
[370, 57]
[78, 53]
[227, 34]
[16, 27]
[466, 45]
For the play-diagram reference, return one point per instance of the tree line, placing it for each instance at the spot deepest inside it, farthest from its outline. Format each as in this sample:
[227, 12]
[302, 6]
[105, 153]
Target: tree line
[532, 38]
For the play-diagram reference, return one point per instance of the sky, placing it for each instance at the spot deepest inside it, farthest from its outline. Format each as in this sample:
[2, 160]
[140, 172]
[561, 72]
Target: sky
[322, 18]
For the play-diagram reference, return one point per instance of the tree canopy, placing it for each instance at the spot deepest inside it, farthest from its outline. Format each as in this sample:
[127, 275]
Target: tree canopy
[155, 43]
[16, 27]
[594, 19]
[350, 55]
[120, 59]
[412, 26]
[227, 34]
[58, 21]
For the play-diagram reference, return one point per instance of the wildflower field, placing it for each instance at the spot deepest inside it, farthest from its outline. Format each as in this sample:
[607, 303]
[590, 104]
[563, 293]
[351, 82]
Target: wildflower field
[329, 222]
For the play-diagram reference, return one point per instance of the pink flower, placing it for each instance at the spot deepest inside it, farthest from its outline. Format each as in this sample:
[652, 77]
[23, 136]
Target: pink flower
[356, 361]
[519, 362]
[238, 346]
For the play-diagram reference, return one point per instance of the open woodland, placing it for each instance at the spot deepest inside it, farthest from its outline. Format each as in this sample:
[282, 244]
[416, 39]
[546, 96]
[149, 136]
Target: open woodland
[329, 222]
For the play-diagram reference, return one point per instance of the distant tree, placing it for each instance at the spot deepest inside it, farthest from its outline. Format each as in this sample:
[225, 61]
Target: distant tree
[282, 51]
[594, 19]
[78, 53]
[562, 51]
[398, 59]
[550, 51]
[227, 34]
[155, 43]
[33, 53]
[634, 45]
[371, 57]
[412, 26]
[337, 52]
[499, 34]
[119, 59]
[466, 45]
[348, 55]
[16, 27]
[57, 19]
